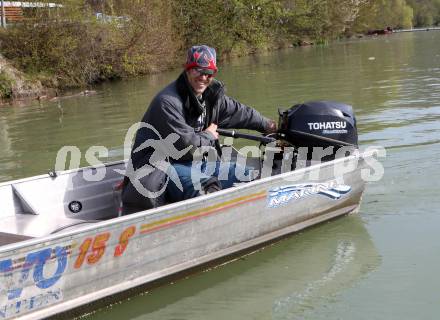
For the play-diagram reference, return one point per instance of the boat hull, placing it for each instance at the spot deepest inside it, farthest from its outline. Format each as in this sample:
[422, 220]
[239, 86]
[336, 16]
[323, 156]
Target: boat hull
[45, 276]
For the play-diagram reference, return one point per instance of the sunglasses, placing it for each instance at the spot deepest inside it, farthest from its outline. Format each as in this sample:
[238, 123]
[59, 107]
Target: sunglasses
[204, 72]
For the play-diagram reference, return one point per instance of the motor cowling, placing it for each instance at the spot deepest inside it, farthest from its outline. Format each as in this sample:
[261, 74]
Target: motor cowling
[319, 124]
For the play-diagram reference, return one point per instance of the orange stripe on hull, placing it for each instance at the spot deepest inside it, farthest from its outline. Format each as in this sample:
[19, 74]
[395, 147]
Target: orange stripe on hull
[149, 227]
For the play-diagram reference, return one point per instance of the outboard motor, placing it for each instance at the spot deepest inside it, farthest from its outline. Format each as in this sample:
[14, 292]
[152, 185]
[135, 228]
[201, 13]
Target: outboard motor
[319, 124]
[309, 132]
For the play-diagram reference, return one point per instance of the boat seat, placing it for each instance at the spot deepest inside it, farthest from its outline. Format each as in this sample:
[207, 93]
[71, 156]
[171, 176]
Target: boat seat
[70, 195]
[19, 221]
[10, 205]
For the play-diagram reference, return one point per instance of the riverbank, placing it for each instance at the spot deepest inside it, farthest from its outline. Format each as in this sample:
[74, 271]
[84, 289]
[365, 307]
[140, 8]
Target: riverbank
[18, 88]
[81, 44]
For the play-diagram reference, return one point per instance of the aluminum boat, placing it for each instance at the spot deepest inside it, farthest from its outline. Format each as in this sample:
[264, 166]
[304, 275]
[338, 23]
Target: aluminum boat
[64, 244]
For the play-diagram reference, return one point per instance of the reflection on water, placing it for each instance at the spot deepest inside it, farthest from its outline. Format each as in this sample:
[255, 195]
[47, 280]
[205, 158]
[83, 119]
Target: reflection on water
[293, 305]
[35, 133]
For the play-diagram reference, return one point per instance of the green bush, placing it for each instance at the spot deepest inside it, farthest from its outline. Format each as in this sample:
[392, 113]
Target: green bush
[73, 48]
[5, 86]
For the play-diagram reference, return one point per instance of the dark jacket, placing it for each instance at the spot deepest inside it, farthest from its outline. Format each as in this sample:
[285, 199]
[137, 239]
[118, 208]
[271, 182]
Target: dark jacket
[175, 110]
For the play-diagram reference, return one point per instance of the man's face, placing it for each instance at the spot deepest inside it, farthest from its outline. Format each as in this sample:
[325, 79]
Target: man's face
[199, 80]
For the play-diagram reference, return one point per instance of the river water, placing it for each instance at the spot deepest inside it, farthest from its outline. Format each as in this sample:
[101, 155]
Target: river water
[379, 264]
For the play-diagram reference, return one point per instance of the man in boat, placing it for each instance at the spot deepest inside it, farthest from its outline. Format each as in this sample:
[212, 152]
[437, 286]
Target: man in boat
[187, 113]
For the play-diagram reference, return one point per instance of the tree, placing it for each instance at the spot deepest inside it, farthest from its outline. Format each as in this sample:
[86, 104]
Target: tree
[426, 12]
[379, 14]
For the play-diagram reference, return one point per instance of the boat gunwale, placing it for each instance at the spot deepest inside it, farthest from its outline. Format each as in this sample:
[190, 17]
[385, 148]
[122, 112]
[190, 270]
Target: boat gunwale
[143, 215]
[62, 173]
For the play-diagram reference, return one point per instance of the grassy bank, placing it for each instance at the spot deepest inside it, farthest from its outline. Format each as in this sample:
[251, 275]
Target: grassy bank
[72, 46]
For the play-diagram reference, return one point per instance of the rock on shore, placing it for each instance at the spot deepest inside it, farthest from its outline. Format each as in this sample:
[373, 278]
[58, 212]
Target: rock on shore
[14, 85]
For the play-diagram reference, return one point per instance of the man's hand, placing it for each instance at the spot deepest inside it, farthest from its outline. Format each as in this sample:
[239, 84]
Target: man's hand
[212, 129]
[271, 127]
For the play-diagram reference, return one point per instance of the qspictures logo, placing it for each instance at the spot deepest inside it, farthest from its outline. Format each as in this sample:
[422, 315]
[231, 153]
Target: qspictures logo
[163, 153]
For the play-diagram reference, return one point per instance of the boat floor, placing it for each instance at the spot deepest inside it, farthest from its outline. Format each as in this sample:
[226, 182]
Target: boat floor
[8, 238]
[27, 226]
